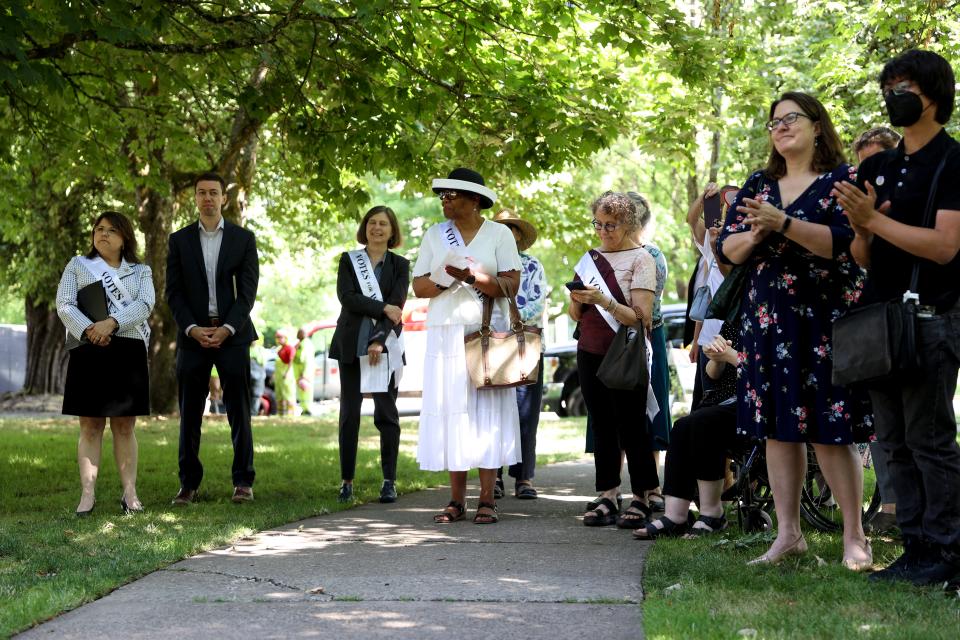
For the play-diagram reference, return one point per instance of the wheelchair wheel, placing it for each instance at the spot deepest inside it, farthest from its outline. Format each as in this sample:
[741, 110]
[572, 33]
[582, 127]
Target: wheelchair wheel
[817, 505]
[755, 520]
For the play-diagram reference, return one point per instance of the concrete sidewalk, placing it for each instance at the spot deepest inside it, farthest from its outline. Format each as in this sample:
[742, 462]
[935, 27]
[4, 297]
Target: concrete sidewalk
[386, 571]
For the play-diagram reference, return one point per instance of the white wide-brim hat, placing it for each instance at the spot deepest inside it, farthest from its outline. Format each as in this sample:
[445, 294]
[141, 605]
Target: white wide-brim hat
[467, 180]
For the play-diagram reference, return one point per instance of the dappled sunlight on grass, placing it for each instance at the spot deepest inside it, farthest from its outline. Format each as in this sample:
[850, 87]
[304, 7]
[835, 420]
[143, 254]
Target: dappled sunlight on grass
[30, 461]
[50, 561]
[265, 448]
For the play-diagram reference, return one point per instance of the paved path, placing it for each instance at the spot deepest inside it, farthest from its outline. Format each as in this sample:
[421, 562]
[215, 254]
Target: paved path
[386, 571]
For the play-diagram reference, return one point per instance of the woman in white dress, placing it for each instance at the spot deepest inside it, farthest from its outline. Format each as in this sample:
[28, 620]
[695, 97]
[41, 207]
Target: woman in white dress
[461, 427]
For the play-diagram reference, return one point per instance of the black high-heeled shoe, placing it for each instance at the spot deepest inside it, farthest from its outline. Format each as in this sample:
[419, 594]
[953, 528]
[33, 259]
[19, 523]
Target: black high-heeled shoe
[127, 508]
[88, 512]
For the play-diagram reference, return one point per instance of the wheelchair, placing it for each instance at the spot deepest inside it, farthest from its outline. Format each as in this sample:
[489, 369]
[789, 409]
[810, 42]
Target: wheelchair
[817, 505]
[752, 497]
[750, 493]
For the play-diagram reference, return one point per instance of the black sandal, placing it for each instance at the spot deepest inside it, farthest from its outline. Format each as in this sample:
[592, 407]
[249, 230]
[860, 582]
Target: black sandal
[446, 517]
[525, 491]
[714, 524]
[597, 517]
[656, 502]
[498, 489]
[593, 504]
[670, 529]
[486, 518]
[640, 516]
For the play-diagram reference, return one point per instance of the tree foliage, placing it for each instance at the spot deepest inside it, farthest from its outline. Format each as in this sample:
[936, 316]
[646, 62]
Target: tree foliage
[310, 106]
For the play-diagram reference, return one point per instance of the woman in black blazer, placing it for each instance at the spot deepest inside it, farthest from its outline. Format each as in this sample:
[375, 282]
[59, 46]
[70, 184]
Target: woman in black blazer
[372, 288]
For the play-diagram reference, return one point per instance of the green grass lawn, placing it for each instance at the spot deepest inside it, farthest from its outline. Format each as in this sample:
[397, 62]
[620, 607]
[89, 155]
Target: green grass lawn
[51, 561]
[719, 597]
[702, 589]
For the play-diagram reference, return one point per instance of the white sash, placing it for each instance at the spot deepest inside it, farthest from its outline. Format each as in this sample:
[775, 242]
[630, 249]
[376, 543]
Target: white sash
[590, 275]
[365, 274]
[117, 295]
[452, 235]
[371, 289]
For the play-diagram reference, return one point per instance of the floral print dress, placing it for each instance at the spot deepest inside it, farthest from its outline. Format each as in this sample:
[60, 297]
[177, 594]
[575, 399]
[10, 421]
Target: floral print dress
[790, 300]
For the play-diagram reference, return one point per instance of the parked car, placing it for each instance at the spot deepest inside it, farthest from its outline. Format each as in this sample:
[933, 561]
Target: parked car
[561, 392]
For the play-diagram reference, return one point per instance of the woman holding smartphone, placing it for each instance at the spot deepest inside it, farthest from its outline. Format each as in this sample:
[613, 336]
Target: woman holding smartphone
[618, 280]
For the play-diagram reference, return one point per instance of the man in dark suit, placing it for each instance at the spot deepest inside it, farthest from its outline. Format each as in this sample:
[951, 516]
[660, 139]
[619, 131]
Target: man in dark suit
[212, 275]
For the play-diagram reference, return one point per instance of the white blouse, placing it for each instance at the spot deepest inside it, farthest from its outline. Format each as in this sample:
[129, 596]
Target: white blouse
[493, 250]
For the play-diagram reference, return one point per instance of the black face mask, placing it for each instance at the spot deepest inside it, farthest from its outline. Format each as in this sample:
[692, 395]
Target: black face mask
[904, 109]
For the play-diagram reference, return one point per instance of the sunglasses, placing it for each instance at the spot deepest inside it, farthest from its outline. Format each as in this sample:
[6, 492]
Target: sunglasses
[448, 195]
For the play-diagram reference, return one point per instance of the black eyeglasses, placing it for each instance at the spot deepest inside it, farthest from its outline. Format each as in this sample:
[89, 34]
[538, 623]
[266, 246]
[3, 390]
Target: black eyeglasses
[448, 195]
[609, 227]
[787, 119]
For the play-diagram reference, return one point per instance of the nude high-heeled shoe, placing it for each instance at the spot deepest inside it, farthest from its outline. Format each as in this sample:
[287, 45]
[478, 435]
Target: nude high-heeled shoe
[799, 547]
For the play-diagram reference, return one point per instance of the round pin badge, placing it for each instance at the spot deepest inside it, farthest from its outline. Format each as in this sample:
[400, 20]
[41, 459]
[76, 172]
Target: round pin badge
[880, 181]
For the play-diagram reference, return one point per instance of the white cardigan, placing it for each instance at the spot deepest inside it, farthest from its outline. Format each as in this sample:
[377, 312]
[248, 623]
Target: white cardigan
[137, 278]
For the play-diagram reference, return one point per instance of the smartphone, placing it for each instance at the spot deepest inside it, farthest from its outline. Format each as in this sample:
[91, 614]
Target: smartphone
[576, 285]
[712, 211]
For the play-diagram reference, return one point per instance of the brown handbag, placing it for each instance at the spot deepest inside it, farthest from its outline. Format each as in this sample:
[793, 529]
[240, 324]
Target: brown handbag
[498, 360]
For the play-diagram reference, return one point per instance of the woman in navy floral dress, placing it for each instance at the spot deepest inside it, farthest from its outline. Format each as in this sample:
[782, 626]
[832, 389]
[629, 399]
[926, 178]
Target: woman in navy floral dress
[795, 242]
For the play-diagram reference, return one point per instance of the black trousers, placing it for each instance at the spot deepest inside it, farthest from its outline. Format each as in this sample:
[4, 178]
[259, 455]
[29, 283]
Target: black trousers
[193, 377]
[614, 417]
[385, 418]
[699, 443]
[529, 398]
[916, 426]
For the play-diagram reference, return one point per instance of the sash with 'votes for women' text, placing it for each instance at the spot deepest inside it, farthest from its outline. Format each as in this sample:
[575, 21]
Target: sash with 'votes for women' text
[117, 295]
[586, 268]
[454, 240]
[369, 286]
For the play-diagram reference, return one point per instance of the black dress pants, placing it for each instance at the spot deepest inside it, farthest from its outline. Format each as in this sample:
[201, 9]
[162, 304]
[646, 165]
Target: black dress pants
[614, 416]
[385, 417]
[917, 428]
[699, 443]
[193, 377]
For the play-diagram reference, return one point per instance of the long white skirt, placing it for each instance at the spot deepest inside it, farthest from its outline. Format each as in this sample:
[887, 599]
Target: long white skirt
[462, 428]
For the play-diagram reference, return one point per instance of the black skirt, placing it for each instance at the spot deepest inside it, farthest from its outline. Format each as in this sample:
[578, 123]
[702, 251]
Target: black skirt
[108, 381]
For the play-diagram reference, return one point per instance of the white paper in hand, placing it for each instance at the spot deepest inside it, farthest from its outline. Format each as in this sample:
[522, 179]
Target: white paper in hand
[455, 259]
[375, 378]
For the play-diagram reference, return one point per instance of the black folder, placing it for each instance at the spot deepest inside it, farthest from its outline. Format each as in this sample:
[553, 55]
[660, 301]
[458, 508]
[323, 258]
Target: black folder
[92, 302]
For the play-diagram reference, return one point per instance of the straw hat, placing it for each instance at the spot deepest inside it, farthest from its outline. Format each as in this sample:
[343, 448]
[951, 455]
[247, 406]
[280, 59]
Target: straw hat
[528, 233]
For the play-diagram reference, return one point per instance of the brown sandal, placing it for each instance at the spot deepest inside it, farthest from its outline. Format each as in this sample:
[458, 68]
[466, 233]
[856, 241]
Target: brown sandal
[486, 518]
[451, 513]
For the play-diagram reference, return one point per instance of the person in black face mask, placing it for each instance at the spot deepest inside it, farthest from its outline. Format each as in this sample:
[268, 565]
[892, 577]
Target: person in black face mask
[915, 422]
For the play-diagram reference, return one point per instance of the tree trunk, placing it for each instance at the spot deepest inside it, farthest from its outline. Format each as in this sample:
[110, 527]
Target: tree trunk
[238, 164]
[46, 356]
[156, 214]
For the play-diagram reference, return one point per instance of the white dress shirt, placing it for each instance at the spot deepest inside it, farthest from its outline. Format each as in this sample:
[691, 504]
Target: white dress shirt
[210, 242]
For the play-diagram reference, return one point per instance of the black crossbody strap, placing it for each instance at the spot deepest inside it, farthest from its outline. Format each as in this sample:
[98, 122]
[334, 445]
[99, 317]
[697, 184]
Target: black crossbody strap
[929, 214]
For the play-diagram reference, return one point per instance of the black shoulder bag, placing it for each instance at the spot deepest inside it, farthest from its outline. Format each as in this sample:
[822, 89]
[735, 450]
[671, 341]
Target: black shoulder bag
[878, 342]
